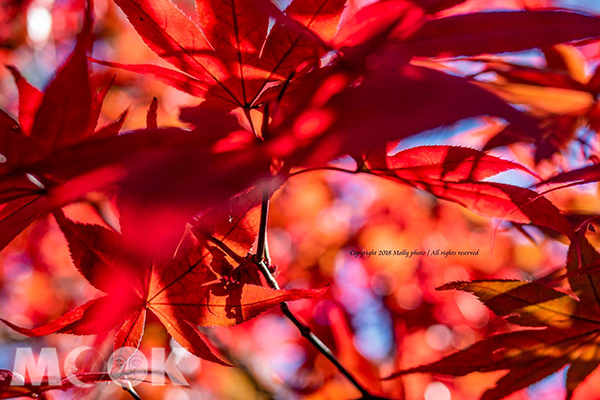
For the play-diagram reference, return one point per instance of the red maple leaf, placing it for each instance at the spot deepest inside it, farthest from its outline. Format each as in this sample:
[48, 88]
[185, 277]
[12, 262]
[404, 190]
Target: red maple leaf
[64, 115]
[195, 287]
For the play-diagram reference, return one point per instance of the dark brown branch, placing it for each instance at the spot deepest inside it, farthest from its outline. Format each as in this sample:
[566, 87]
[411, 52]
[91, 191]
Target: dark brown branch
[129, 389]
[238, 259]
[238, 362]
[262, 249]
[262, 256]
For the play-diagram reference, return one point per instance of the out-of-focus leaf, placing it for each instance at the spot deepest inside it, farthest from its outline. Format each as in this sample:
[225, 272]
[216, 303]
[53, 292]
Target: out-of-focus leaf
[540, 99]
[397, 105]
[570, 335]
[500, 32]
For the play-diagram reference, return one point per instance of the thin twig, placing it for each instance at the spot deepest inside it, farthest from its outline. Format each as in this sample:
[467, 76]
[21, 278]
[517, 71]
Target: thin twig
[262, 248]
[226, 249]
[263, 254]
[323, 168]
[239, 362]
[129, 389]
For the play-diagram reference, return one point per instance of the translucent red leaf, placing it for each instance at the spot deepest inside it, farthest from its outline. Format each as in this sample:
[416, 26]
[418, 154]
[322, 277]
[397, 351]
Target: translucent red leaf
[287, 48]
[196, 287]
[570, 335]
[240, 54]
[113, 128]
[236, 29]
[579, 176]
[29, 101]
[583, 264]
[507, 202]
[188, 337]
[65, 112]
[500, 32]
[93, 249]
[448, 163]
[529, 303]
[389, 106]
[400, 16]
[170, 34]
[320, 16]
[191, 288]
[178, 80]
[235, 223]
[167, 190]
[131, 332]
[95, 316]
[68, 174]
[529, 355]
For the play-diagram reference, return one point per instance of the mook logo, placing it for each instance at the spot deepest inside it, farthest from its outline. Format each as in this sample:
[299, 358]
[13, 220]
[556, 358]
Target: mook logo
[126, 364]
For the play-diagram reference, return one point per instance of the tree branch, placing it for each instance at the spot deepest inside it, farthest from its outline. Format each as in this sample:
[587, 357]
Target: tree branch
[323, 168]
[262, 247]
[129, 389]
[262, 253]
[243, 365]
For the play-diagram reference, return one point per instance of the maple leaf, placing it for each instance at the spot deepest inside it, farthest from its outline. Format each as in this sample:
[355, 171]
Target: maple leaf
[234, 55]
[29, 101]
[233, 225]
[64, 115]
[192, 288]
[395, 20]
[580, 176]
[543, 100]
[560, 108]
[224, 57]
[549, 77]
[504, 201]
[450, 163]
[559, 97]
[166, 190]
[69, 172]
[456, 174]
[330, 113]
[570, 334]
[499, 32]
[161, 172]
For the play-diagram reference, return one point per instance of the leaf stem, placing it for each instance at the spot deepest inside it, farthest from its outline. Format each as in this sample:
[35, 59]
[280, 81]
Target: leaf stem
[262, 263]
[323, 168]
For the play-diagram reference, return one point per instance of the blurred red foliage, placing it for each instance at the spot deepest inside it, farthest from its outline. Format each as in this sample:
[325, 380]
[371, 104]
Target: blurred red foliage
[199, 164]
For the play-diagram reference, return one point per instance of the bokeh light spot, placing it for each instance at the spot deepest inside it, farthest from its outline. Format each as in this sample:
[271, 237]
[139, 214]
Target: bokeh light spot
[39, 24]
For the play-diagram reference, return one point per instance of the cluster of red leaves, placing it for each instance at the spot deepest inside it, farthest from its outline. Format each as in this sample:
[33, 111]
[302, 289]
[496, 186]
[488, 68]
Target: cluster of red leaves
[288, 89]
[570, 335]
